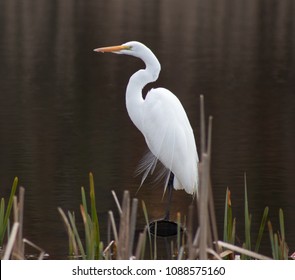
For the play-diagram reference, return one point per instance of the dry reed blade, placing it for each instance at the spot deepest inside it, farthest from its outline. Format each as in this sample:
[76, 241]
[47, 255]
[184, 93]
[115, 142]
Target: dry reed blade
[247, 217]
[242, 251]
[73, 248]
[178, 219]
[191, 251]
[212, 215]
[203, 191]
[203, 207]
[203, 130]
[283, 245]
[282, 224]
[140, 248]
[94, 220]
[145, 213]
[76, 236]
[132, 225]
[123, 244]
[155, 241]
[180, 253]
[206, 211]
[125, 237]
[117, 202]
[41, 251]
[226, 223]
[18, 249]
[214, 254]
[209, 139]
[11, 241]
[113, 224]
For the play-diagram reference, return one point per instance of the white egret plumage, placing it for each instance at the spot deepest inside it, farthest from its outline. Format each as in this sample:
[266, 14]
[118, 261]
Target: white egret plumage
[162, 120]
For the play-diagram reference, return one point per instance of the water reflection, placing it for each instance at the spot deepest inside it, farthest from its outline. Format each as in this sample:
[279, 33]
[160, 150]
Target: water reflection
[63, 111]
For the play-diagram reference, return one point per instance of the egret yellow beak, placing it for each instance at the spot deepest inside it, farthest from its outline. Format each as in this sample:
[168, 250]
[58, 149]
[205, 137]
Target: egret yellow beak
[112, 49]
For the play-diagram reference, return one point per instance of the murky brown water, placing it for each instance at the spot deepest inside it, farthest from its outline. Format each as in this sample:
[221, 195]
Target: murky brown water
[63, 107]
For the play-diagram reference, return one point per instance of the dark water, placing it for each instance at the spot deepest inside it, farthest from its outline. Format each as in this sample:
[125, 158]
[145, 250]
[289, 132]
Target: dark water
[63, 107]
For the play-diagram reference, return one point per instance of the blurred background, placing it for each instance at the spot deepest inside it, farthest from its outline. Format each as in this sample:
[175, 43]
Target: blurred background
[63, 106]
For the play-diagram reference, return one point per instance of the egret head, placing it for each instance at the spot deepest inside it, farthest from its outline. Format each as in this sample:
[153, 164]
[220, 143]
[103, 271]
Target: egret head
[133, 48]
[138, 50]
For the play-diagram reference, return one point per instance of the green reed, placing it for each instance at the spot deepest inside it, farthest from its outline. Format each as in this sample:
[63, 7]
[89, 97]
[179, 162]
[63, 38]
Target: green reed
[278, 243]
[277, 240]
[93, 247]
[5, 213]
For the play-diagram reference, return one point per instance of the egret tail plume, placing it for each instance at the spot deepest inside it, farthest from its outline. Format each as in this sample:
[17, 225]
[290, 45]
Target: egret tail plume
[147, 165]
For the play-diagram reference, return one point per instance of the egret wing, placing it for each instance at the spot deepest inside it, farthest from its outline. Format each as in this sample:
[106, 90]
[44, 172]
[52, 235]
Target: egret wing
[169, 137]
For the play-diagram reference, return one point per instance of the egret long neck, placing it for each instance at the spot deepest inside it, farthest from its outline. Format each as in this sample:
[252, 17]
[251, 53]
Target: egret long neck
[134, 98]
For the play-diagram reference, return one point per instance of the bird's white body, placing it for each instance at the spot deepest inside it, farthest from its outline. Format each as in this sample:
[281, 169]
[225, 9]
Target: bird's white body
[170, 138]
[163, 122]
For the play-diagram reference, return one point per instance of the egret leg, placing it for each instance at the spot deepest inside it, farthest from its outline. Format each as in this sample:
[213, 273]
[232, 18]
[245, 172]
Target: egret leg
[170, 191]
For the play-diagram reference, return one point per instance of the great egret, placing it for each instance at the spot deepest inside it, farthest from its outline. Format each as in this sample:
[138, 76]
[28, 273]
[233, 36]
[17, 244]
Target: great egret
[163, 122]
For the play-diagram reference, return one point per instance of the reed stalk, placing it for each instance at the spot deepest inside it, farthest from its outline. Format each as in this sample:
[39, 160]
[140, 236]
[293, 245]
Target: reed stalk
[206, 234]
[5, 214]
[278, 243]
[93, 248]
[15, 247]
